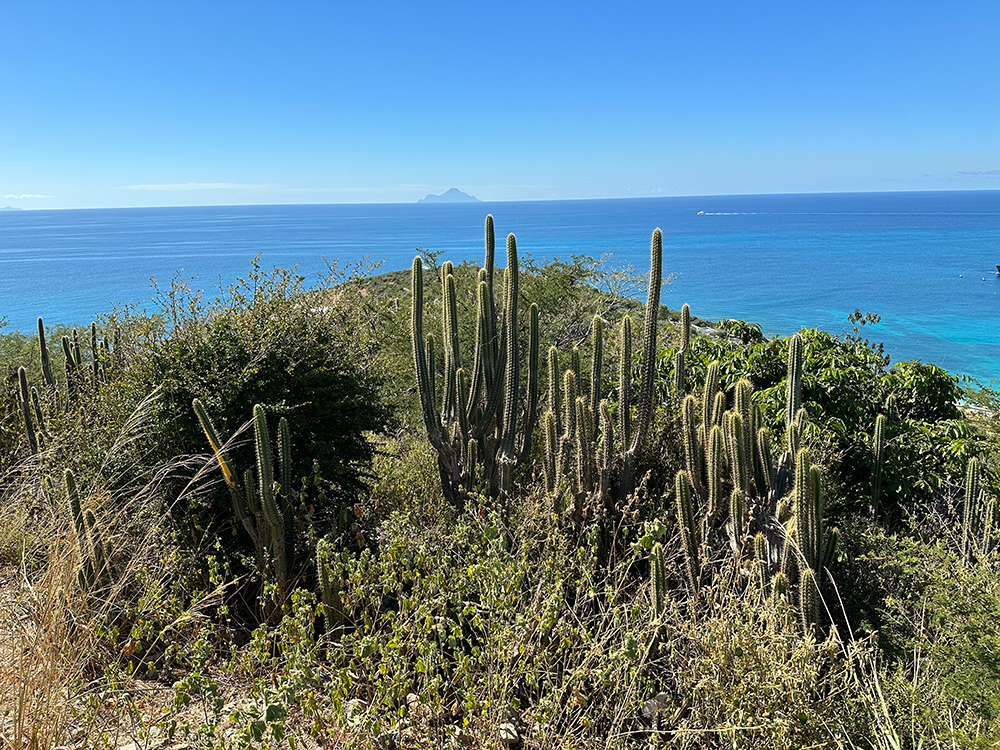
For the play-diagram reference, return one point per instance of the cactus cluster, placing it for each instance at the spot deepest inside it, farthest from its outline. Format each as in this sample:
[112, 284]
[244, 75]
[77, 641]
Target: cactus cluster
[266, 508]
[31, 401]
[481, 425]
[583, 439]
[95, 569]
[483, 428]
[979, 511]
[733, 481]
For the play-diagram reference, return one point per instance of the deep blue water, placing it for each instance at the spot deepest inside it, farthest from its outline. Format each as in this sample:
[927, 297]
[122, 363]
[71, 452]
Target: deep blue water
[925, 262]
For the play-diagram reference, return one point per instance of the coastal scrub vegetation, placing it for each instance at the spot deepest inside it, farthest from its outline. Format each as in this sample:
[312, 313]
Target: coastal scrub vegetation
[469, 507]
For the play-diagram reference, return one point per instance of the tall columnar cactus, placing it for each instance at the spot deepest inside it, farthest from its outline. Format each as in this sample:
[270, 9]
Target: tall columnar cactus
[715, 466]
[95, 554]
[95, 365]
[25, 399]
[269, 518]
[625, 382]
[793, 394]
[763, 563]
[689, 436]
[808, 601]
[709, 392]
[689, 530]
[970, 509]
[685, 327]
[554, 384]
[644, 411]
[596, 363]
[605, 451]
[680, 377]
[553, 455]
[988, 541]
[490, 407]
[43, 355]
[878, 449]
[72, 367]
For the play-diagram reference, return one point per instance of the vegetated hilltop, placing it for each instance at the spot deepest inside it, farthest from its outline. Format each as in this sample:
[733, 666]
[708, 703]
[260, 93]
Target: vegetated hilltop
[466, 506]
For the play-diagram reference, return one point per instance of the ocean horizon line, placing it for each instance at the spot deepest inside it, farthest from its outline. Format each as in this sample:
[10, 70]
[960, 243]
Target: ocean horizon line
[677, 196]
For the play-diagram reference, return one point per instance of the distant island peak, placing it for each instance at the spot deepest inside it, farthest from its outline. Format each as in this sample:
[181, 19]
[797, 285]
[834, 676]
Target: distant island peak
[451, 196]
[10, 208]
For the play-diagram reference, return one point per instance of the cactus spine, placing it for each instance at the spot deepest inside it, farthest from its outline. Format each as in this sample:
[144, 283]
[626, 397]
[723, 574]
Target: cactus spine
[486, 407]
[271, 527]
[43, 352]
[689, 530]
[793, 398]
[25, 399]
[596, 362]
[645, 407]
[879, 462]
[625, 383]
[969, 510]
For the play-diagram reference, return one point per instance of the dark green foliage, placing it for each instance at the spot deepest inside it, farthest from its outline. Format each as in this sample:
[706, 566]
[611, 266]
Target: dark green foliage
[309, 358]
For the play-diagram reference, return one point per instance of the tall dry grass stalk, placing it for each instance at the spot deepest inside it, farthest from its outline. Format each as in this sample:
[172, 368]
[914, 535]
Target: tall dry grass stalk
[59, 641]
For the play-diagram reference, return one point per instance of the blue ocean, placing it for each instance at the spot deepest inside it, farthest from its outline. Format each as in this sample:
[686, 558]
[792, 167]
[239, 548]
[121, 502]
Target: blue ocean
[924, 261]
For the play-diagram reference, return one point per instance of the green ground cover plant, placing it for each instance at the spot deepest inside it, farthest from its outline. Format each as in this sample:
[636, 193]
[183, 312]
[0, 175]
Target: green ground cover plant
[482, 507]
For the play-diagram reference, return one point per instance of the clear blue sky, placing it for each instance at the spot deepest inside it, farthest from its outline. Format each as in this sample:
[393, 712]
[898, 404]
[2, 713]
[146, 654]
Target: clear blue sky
[179, 103]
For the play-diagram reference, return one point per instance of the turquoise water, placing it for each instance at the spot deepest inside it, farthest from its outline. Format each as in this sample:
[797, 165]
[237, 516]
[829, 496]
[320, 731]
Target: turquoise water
[925, 262]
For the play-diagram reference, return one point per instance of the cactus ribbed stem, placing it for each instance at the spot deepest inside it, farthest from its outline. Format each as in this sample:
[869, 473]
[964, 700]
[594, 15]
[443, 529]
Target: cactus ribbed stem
[555, 384]
[214, 441]
[716, 463]
[285, 457]
[766, 460]
[43, 352]
[265, 473]
[425, 386]
[575, 364]
[690, 438]
[569, 403]
[737, 519]
[989, 525]
[763, 564]
[679, 373]
[472, 460]
[552, 462]
[685, 327]
[531, 416]
[689, 530]
[596, 362]
[737, 453]
[512, 376]
[25, 398]
[644, 411]
[808, 601]
[793, 396]
[625, 384]
[718, 408]
[708, 394]
[972, 490]
[878, 449]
